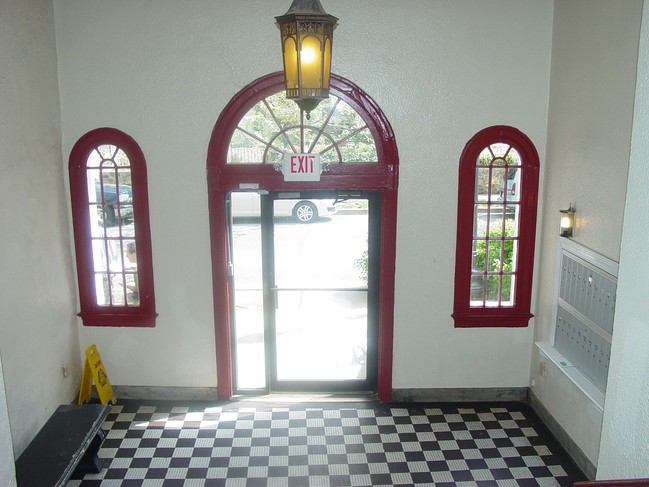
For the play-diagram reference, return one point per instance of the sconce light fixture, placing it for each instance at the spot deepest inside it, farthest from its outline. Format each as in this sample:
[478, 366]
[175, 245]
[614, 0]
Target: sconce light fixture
[567, 221]
[307, 34]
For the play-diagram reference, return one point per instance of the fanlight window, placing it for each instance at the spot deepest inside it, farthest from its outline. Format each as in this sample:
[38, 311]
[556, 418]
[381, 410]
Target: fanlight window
[276, 126]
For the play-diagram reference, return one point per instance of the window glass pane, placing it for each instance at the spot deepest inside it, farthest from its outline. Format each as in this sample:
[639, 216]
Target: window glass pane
[507, 288]
[498, 161]
[331, 155]
[511, 185]
[482, 184]
[117, 289]
[478, 261]
[496, 222]
[480, 221]
[499, 149]
[259, 121]
[126, 220]
[513, 157]
[497, 183]
[359, 147]
[96, 221]
[286, 113]
[121, 158]
[93, 176]
[485, 157]
[290, 140]
[344, 120]
[106, 151]
[507, 258]
[124, 178]
[512, 220]
[493, 290]
[94, 159]
[511, 249]
[102, 289]
[130, 268]
[245, 150]
[273, 155]
[494, 257]
[99, 256]
[477, 290]
[114, 249]
[132, 294]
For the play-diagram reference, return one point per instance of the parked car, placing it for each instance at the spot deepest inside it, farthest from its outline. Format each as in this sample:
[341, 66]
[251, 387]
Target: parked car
[247, 204]
[108, 213]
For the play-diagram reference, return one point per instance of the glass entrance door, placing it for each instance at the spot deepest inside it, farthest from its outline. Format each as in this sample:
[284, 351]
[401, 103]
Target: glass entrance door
[317, 292]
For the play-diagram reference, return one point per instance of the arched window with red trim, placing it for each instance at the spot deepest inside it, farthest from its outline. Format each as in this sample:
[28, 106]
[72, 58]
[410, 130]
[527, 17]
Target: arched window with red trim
[496, 228]
[110, 214]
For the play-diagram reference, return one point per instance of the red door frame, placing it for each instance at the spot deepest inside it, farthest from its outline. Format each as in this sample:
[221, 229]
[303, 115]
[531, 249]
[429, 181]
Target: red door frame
[223, 177]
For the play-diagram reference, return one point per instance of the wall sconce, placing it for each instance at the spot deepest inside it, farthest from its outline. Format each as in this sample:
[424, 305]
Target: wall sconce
[307, 34]
[567, 221]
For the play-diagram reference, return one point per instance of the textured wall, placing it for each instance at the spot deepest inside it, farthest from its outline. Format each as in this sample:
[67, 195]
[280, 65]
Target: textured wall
[38, 328]
[594, 56]
[624, 451]
[441, 70]
[7, 474]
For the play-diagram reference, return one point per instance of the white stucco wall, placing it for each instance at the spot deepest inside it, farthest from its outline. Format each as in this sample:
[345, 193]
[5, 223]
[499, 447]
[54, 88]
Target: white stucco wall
[38, 327]
[7, 473]
[441, 70]
[624, 449]
[594, 57]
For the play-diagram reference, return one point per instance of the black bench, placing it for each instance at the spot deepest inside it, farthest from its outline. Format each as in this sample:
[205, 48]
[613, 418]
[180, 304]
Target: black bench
[68, 442]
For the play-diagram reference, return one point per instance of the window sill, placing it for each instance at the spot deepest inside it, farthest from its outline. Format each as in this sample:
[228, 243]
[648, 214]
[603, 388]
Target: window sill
[576, 377]
[491, 318]
[140, 320]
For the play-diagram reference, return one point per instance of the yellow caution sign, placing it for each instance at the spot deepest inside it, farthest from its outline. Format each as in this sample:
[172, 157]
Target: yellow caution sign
[93, 369]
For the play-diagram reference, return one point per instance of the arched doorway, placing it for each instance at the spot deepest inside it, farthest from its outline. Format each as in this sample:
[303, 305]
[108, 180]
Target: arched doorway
[378, 175]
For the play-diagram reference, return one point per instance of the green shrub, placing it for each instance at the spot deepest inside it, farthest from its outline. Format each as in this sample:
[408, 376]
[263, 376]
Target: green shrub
[493, 264]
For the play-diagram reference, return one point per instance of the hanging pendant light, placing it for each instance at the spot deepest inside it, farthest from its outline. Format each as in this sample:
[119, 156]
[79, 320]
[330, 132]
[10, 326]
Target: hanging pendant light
[307, 33]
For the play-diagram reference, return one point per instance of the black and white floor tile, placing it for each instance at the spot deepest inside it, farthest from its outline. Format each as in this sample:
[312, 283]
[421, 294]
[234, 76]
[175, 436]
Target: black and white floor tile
[310, 445]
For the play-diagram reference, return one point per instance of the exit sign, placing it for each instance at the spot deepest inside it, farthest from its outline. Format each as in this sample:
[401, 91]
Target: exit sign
[301, 167]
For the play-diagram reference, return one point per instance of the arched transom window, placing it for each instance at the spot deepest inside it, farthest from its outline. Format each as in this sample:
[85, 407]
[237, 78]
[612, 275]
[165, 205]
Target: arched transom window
[275, 126]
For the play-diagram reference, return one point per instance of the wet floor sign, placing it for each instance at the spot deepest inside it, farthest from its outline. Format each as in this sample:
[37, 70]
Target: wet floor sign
[93, 370]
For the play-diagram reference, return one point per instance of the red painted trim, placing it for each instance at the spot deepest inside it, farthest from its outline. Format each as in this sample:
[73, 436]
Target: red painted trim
[614, 483]
[519, 314]
[222, 178]
[92, 314]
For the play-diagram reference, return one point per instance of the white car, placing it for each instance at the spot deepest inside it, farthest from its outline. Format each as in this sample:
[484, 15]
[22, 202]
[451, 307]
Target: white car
[246, 204]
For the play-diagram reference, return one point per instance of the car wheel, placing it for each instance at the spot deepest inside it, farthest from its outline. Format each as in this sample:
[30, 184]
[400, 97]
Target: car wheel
[108, 216]
[305, 211]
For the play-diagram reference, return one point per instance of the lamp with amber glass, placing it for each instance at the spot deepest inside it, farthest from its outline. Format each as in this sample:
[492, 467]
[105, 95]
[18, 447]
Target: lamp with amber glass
[307, 34]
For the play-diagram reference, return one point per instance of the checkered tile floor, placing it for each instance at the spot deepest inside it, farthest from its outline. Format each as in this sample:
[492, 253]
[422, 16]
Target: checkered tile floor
[362, 444]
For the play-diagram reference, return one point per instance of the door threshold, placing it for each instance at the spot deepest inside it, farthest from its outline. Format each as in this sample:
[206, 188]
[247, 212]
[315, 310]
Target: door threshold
[290, 398]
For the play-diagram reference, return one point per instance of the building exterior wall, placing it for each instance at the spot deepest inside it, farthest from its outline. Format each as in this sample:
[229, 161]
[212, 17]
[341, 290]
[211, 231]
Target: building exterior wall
[441, 71]
[624, 451]
[594, 56]
[38, 328]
